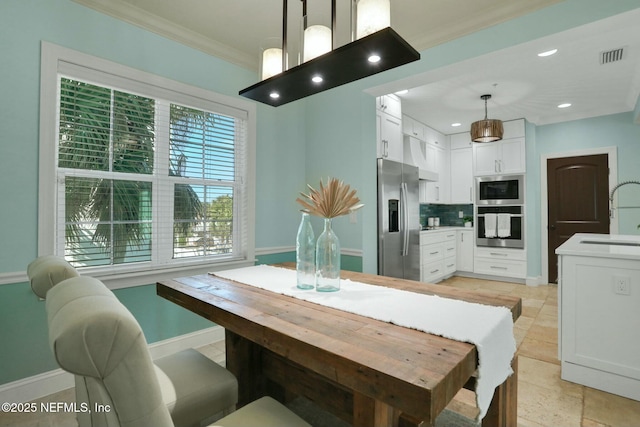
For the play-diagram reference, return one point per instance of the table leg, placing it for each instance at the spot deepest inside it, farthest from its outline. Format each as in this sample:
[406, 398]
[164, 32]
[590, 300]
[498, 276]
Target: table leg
[503, 411]
[368, 412]
[243, 359]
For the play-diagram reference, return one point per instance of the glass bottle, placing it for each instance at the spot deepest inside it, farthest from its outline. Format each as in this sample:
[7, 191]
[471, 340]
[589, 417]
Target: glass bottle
[305, 254]
[328, 260]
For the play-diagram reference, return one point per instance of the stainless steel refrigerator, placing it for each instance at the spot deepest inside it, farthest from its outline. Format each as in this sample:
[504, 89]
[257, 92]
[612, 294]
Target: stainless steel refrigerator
[398, 220]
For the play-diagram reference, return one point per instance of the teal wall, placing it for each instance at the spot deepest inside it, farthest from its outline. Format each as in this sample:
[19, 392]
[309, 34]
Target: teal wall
[332, 133]
[617, 130]
[24, 337]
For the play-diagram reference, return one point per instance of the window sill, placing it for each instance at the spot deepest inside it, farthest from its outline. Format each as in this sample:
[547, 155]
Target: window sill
[124, 277]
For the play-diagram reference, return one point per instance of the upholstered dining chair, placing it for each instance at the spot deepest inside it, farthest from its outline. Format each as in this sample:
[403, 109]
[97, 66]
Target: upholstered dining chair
[194, 388]
[95, 337]
[47, 271]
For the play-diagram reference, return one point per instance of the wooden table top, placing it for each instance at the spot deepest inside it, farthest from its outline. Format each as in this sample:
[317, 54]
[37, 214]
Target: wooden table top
[416, 372]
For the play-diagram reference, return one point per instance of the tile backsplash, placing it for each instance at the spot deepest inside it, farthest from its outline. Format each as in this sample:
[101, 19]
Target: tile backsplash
[448, 214]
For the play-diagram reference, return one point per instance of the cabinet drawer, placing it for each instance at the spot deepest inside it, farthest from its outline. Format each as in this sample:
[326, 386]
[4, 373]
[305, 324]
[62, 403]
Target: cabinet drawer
[449, 248]
[506, 268]
[430, 253]
[449, 266]
[437, 236]
[501, 253]
[432, 272]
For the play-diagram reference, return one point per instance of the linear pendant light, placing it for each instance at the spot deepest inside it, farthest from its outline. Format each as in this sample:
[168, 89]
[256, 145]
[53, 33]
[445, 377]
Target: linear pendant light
[380, 51]
[487, 130]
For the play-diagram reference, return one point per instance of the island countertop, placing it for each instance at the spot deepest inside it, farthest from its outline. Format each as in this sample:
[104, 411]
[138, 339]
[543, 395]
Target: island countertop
[619, 246]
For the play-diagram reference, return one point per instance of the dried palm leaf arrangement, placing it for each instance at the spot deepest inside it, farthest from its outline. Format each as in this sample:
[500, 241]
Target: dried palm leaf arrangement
[333, 200]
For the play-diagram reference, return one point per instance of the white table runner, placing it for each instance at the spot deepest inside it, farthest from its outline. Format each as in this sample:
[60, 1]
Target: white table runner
[489, 328]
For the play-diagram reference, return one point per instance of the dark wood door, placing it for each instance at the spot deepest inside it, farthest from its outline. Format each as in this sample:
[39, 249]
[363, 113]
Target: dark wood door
[578, 199]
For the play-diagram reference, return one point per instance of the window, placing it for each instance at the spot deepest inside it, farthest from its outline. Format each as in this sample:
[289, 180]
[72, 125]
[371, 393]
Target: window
[145, 175]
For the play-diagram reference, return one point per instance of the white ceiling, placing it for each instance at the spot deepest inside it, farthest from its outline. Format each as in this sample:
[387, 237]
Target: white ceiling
[522, 84]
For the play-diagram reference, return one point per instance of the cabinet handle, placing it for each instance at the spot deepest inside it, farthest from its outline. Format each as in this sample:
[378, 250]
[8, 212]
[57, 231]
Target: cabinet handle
[434, 253]
[450, 236]
[434, 271]
[470, 194]
[437, 193]
[495, 166]
[386, 148]
[497, 254]
[462, 237]
[451, 249]
[495, 267]
[450, 265]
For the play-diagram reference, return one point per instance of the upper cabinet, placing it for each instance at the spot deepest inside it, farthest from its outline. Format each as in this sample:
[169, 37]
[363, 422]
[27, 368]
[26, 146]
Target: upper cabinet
[413, 128]
[389, 128]
[391, 105]
[506, 156]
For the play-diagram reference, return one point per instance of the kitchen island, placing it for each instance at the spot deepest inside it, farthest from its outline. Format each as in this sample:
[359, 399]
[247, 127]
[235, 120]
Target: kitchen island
[599, 312]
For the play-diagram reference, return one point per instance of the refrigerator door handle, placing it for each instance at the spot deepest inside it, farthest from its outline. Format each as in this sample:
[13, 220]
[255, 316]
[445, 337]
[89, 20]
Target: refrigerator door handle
[405, 218]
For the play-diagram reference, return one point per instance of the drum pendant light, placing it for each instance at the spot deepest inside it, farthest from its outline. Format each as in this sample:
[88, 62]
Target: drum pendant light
[487, 130]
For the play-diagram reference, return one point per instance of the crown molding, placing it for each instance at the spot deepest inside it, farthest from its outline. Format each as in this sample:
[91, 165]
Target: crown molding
[126, 12]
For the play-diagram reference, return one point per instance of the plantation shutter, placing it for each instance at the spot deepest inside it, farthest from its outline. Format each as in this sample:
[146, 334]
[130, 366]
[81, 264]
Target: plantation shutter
[145, 178]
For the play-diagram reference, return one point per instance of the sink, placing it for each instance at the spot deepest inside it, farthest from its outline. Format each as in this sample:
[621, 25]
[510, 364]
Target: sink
[610, 242]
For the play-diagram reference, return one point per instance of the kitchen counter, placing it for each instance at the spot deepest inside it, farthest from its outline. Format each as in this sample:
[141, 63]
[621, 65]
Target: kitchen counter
[445, 228]
[617, 246]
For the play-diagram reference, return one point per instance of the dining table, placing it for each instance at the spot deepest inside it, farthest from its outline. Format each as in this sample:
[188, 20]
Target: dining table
[366, 371]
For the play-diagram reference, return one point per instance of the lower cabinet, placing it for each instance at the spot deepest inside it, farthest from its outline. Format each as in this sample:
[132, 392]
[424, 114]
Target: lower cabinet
[501, 262]
[437, 255]
[464, 251]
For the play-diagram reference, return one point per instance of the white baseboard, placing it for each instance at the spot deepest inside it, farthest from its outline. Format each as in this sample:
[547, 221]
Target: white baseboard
[535, 281]
[37, 386]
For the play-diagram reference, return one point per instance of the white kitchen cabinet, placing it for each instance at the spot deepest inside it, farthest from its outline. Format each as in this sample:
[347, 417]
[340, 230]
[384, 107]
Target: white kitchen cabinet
[464, 250]
[438, 191]
[460, 140]
[437, 255]
[506, 156]
[413, 128]
[461, 183]
[503, 262]
[389, 133]
[391, 105]
[513, 129]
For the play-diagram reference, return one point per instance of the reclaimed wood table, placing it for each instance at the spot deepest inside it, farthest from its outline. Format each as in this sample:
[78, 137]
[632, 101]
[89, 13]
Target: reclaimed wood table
[365, 371]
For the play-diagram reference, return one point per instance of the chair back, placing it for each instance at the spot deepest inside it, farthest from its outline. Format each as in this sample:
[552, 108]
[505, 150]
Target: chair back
[47, 271]
[94, 336]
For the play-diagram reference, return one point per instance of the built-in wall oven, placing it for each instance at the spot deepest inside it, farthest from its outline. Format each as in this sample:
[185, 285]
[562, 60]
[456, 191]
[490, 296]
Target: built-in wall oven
[500, 190]
[500, 226]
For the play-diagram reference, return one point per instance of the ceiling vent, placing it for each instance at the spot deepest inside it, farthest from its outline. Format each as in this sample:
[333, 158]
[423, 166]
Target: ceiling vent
[613, 55]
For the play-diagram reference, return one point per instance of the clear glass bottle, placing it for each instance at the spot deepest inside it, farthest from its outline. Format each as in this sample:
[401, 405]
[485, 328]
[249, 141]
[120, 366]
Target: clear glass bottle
[305, 254]
[328, 260]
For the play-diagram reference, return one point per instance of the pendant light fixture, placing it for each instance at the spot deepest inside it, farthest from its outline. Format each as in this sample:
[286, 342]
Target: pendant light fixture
[379, 49]
[317, 39]
[487, 130]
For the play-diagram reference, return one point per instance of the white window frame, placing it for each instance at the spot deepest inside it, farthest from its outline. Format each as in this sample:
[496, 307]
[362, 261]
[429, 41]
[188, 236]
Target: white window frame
[53, 59]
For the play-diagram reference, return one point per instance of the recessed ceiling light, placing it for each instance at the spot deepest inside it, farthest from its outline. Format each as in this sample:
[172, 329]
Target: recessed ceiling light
[455, 125]
[374, 58]
[274, 95]
[402, 92]
[316, 79]
[565, 105]
[548, 52]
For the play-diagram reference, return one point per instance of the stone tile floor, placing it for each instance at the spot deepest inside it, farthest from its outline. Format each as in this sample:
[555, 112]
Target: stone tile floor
[543, 398]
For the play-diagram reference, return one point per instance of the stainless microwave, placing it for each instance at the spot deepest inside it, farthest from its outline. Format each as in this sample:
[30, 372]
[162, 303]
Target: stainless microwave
[500, 190]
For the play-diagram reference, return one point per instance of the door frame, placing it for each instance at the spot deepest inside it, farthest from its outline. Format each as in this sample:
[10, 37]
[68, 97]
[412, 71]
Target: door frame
[612, 156]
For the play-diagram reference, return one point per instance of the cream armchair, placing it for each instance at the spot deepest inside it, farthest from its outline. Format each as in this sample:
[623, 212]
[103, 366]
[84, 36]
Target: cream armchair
[194, 388]
[95, 337]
